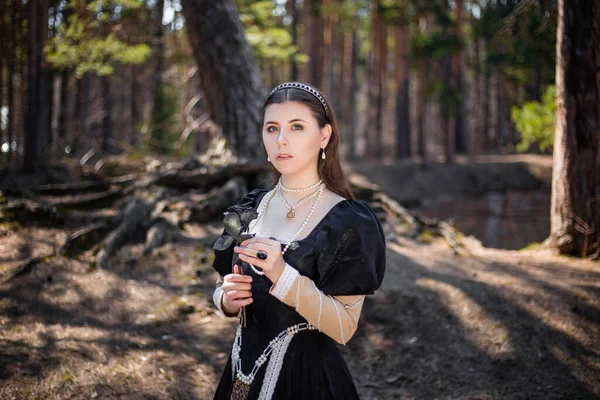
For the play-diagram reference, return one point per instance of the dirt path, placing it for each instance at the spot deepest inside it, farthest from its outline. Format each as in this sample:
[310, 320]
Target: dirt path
[496, 325]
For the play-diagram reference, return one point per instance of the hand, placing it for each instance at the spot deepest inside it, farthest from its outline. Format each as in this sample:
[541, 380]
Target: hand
[272, 266]
[236, 291]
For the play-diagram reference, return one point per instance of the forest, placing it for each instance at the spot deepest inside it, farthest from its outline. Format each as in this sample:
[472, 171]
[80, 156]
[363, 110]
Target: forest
[471, 127]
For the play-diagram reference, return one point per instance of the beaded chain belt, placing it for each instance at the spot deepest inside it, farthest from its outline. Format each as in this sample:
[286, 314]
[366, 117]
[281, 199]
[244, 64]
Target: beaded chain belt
[275, 352]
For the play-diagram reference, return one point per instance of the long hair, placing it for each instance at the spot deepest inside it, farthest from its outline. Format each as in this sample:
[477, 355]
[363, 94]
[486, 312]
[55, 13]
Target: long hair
[330, 169]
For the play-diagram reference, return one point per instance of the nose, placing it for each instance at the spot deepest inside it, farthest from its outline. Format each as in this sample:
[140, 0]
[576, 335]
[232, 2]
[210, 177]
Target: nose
[281, 138]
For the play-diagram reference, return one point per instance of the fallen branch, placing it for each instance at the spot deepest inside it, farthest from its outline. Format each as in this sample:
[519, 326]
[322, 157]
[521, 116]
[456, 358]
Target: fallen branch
[93, 200]
[207, 177]
[23, 268]
[82, 238]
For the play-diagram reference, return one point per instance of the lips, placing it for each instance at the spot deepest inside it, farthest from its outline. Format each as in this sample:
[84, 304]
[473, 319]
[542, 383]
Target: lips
[284, 156]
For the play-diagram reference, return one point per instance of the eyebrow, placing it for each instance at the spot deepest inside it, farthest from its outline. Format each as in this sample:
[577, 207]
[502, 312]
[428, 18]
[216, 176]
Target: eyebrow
[293, 120]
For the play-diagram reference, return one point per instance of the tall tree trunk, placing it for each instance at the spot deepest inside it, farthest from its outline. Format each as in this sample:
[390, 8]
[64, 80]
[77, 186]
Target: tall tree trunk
[337, 45]
[3, 54]
[420, 111]
[107, 140]
[34, 117]
[10, 126]
[458, 81]
[327, 21]
[377, 75]
[50, 73]
[229, 76]
[64, 107]
[292, 10]
[86, 105]
[448, 114]
[314, 33]
[159, 128]
[12, 62]
[350, 87]
[133, 105]
[575, 210]
[403, 138]
[475, 103]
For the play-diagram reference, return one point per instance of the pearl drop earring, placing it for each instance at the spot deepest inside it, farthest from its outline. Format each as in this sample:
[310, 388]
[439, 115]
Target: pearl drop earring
[268, 159]
[323, 154]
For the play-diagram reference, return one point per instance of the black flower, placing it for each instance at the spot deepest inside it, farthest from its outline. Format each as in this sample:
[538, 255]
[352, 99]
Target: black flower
[236, 221]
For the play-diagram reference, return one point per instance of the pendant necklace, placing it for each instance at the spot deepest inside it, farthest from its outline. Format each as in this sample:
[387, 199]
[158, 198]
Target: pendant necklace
[291, 210]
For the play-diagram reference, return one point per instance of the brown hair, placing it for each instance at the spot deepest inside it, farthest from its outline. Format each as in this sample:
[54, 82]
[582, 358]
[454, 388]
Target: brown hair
[330, 169]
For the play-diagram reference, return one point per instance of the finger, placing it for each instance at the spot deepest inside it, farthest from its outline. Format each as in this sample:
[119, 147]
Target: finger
[252, 260]
[237, 278]
[241, 303]
[239, 294]
[229, 286]
[252, 248]
[251, 252]
[267, 242]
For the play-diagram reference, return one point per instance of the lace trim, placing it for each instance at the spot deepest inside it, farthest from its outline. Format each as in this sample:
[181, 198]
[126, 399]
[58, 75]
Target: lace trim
[285, 282]
[274, 368]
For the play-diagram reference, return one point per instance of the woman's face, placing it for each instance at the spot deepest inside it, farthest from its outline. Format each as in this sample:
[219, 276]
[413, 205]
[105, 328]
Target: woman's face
[289, 128]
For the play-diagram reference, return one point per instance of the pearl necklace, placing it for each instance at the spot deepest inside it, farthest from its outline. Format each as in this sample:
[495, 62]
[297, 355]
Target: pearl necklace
[287, 189]
[291, 213]
[287, 246]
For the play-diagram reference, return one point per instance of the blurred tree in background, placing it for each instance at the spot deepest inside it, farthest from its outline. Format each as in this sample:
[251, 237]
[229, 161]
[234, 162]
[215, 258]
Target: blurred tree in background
[535, 120]
[407, 78]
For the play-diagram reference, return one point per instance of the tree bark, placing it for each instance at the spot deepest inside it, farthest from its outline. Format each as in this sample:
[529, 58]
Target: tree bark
[229, 77]
[377, 75]
[3, 54]
[458, 80]
[293, 12]
[12, 62]
[403, 138]
[34, 117]
[313, 30]
[575, 209]
[107, 144]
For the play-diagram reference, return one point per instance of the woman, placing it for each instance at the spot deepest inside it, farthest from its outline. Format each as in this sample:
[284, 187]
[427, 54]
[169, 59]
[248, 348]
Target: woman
[315, 254]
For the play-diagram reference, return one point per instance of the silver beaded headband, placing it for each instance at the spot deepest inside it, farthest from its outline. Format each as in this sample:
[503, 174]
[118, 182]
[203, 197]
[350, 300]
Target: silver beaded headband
[302, 86]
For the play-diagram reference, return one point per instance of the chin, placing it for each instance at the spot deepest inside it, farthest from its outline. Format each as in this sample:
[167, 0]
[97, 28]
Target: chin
[287, 169]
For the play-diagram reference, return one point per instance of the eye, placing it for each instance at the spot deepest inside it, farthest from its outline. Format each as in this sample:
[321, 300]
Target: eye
[300, 127]
[269, 128]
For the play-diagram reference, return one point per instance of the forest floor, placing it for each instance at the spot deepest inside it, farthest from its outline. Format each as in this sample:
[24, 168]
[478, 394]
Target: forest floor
[490, 324]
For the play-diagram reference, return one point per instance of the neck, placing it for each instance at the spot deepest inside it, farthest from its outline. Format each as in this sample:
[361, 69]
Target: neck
[299, 182]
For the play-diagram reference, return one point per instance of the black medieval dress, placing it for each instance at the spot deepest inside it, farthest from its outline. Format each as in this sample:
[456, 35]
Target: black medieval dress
[344, 255]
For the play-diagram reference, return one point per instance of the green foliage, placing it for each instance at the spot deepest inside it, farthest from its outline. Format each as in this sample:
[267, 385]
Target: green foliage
[92, 39]
[520, 39]
[164, 119]
[535, 122]
[269, 40]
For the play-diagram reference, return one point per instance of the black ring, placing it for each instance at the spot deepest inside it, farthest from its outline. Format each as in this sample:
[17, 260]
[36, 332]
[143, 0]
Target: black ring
[262, 255]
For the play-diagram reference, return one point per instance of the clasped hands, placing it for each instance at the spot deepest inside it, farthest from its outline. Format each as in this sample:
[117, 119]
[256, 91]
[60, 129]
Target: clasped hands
[237, 288]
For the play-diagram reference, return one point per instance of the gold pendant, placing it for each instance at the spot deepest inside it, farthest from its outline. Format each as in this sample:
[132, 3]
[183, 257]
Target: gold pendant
[239, 391]
[291, 214]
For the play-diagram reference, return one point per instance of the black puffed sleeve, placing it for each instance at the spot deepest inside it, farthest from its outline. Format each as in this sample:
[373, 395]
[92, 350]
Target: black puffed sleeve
[352, 251]
[224, 258]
